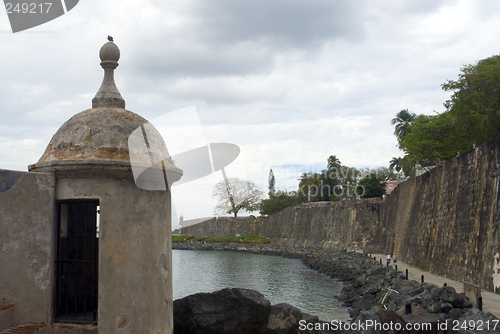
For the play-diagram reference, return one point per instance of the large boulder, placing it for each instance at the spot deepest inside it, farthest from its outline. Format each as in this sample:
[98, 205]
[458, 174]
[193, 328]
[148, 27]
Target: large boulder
[424, 322]
[389, 321]
[224, 311]
[284, 319]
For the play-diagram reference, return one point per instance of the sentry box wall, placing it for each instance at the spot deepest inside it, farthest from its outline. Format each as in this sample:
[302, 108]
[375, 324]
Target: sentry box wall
[95, 216]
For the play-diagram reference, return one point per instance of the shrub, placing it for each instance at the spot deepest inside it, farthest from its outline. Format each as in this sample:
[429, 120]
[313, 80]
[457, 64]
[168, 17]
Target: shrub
[282, 199]
[248, 239]
[181, 238]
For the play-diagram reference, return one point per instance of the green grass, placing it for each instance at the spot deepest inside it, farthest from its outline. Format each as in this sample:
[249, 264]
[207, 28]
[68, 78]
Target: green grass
[181, 238]
[246, 239]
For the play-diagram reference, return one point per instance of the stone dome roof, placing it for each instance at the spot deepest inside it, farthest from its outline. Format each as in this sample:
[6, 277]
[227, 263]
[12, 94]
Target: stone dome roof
[97, 141]
[94, 134]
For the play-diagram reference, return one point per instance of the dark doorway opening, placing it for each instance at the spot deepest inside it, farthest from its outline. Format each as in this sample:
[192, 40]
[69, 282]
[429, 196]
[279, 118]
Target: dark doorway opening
[76, 261]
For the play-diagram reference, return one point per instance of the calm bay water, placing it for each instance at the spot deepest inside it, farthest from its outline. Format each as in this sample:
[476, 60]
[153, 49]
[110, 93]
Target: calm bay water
[281, 280]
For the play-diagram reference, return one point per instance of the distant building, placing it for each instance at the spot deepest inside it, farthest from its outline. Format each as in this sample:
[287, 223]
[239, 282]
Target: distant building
[390, 186]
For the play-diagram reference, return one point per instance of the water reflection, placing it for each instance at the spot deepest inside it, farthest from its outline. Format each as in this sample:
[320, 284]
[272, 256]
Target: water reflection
[279, 279]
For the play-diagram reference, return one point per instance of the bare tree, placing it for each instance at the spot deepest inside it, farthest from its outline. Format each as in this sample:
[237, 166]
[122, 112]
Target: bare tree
[234, 194]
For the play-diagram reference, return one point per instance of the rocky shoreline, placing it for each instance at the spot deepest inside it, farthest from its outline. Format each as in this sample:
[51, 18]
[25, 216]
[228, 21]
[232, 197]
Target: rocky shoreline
[374, 292]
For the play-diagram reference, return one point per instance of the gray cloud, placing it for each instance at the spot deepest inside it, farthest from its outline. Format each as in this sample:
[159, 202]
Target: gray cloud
[182, 59]
[288, 81]
[279, 23]
[224, 37]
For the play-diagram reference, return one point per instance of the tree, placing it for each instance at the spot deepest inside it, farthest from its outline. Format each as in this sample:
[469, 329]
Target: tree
[333, 162]
[395, 163]
[331, 184]
[341, 179]
[403, 166]
[272, 182]
[280, 200]
[235, 194]
[386, 174]
[475, 102]
[311, 187]
[402, 123]
[434, 138]
[373, 186]
[472, 117]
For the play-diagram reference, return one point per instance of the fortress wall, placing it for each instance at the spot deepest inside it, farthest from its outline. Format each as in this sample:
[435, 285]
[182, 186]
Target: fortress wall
[224, 226]
[447, 221]
[348, 224]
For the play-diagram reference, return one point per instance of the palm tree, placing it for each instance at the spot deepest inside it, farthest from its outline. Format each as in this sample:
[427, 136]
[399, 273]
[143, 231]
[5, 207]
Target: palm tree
[395, 163]
[333, 162]
[402, 121]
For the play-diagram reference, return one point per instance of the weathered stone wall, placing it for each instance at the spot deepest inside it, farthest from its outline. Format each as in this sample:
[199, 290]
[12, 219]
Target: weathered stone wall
[225, 226]
[348, 224]
[135, 273]
[447, 221]
[26, 246]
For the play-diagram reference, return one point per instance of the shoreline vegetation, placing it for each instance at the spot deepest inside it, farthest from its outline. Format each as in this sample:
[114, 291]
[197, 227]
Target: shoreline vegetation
[371, 291]
[246, 239]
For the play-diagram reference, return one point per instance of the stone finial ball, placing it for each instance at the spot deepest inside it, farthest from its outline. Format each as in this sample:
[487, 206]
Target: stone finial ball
[109, 51]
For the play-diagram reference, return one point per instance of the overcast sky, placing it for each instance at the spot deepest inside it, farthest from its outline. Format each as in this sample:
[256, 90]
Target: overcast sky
[290, 82]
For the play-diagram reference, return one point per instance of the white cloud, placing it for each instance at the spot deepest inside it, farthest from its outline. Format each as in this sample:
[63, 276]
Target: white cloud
[289, 82]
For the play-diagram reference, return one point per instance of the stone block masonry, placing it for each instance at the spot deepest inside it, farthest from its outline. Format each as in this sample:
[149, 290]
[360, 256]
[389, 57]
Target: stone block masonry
[224, 227]
[347, 224]
[447, 221]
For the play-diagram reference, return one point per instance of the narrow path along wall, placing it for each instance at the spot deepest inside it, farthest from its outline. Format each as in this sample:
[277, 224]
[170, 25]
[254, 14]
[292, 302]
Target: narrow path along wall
[447, 221]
